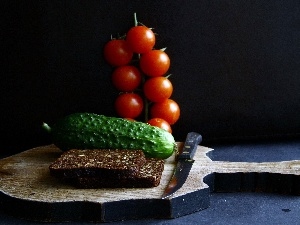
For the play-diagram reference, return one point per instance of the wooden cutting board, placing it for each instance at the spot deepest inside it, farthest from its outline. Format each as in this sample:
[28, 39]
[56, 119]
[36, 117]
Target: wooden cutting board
[28, 191]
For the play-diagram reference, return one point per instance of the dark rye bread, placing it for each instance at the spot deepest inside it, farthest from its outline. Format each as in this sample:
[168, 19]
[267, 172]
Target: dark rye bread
[104, 163]
[148, 176]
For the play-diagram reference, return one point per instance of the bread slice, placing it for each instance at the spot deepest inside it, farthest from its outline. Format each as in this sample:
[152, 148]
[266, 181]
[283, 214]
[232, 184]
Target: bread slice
[149, 176]
[102, 163]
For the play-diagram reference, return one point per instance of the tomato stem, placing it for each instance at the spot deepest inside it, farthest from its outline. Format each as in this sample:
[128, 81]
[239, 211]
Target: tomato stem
[168, 75]
[135, 20]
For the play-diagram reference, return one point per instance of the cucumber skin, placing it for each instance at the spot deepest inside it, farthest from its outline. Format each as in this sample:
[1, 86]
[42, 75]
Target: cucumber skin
[93, 131]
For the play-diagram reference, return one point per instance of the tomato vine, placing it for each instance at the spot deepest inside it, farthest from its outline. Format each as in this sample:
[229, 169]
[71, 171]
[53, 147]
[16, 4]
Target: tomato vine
[144, 78]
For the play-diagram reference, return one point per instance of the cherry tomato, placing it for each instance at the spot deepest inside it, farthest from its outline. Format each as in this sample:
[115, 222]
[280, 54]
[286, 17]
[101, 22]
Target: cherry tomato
[129, 105]
[167, 110]
[141, 39]
[117, 52]
[155, 63]
[161, 123]
[157, 89]
[126, 78]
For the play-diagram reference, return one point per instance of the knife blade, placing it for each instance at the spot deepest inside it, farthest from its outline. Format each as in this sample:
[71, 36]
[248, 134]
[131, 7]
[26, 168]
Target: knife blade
[184, 164]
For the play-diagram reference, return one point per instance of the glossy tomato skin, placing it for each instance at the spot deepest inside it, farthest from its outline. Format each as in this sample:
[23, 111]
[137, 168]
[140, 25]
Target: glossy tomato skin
[158, 89]
[161, 123]
[155, 63]
[141, 39]
[117, 52]
[167, 110]
[126, 78]
[129, 105]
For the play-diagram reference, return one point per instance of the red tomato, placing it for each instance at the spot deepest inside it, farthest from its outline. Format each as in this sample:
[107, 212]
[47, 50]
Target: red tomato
[167, 110]
[117, 52]
[126, 78]
[141, 39]
[155, 63]
[161, 123]
[158, 89]
[129, 105]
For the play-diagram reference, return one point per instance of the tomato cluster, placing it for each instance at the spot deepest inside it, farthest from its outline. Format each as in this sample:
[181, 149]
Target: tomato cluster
[142, 83]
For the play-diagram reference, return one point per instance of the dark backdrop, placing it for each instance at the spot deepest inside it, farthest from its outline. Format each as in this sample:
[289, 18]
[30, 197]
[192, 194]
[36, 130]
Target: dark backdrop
[235, 64]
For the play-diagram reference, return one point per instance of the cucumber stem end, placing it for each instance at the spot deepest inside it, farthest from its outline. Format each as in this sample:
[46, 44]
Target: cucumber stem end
[46, 127]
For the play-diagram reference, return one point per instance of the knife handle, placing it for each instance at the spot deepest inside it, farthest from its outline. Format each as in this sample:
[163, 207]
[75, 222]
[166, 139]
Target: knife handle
[190, 145]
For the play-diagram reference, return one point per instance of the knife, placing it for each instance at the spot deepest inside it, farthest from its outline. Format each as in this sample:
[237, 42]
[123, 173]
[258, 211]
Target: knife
[184, 164]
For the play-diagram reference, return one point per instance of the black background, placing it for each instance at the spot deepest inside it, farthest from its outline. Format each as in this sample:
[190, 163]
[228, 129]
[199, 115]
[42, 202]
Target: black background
[234, 64]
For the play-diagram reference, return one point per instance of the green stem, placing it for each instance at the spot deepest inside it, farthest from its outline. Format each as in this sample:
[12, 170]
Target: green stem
[168, 75]
[135, 20]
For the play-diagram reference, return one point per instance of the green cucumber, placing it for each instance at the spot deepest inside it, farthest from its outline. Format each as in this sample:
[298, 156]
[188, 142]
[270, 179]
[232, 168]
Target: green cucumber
[92, 131]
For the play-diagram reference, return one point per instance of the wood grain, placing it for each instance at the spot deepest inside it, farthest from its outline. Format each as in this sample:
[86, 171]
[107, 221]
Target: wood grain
[26, 184]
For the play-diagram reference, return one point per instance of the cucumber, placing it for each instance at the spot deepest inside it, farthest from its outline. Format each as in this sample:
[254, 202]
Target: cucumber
[93, 131]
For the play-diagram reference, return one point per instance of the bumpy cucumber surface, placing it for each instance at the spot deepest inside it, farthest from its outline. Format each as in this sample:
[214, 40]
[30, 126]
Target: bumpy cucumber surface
[92, 131]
